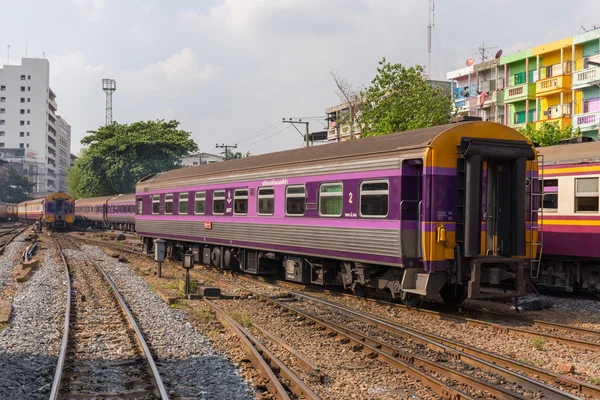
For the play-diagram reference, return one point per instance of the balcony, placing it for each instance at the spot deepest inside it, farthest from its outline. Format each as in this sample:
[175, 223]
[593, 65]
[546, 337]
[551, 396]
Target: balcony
[562, 122]
[343, 131]
[587, 77]
[553, 85]
[586, 122]
[518, 93]
[494, 98]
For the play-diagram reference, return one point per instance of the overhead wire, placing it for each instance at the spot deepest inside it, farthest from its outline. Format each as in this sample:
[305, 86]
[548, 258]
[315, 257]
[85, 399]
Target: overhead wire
[258, 133]
[268, 137]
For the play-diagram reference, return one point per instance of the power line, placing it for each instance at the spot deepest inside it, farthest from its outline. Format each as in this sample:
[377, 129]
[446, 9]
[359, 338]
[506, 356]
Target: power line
[268, 137]
[226, 152]
[260, 132]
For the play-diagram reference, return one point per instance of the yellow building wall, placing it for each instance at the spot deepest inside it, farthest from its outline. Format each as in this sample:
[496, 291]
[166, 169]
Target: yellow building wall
[549, 47]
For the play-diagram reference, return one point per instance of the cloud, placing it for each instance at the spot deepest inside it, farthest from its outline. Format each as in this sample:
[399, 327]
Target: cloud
[181, 68]
[91, 9]
[139, 33]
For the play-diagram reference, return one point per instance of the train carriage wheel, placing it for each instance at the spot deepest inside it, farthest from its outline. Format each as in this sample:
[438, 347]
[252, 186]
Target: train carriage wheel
[412, 300]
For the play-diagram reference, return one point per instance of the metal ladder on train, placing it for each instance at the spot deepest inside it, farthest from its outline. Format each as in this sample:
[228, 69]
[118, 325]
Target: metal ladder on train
[537, 223]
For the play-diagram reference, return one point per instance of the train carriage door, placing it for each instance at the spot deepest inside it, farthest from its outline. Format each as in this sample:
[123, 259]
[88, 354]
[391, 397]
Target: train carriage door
[59, 211]
[411, 190]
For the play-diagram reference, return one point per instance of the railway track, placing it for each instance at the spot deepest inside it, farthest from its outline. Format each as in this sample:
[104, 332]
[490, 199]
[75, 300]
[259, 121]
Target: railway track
[103, 353]
[7, 236]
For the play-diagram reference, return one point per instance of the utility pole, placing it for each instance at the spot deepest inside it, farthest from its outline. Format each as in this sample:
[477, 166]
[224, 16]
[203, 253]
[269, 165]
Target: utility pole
[299, 121]
[226, 152]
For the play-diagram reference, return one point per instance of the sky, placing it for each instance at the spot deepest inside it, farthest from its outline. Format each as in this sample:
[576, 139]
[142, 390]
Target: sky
[230, 70]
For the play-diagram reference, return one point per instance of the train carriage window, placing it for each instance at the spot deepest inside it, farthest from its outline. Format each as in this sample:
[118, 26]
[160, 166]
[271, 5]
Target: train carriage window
[168, 204]
[266, 201]
[183, 203]
[140, 206]
[200, 202]
[295, 198]
[549, 188]
[374, 198]
[240, 201]
[586, 195]
[156, 204]
[331, 199]
[219, 202]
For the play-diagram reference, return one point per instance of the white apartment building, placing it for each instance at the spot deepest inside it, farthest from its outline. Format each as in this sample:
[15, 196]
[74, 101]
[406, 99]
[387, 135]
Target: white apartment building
[199, 159]
[29, 121]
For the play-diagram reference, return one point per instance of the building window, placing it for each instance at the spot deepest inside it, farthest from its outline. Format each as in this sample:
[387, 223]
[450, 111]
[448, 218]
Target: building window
[22, 99]
[22, 111]
[2, 122]
[168, 204]
[29, 100]
[140, 206]
[29, 88]
[586, 195]
[2, 110]
[2, 99]
[22, 88]
[27, 133]
[266, 201]
[21, 145]
[219, 202]
[22, 77]
[3, 88]
[183, 203]
[1, 145]
[200, 202]
[549, 189]
[27, 145]
[22, 134]
[28, 122]
[155, 204]
[240, 201]
[2, 133]
[331, 199]
[22, 123]
[28, 111]
[295, 199]
[374, 198]
[29, 77]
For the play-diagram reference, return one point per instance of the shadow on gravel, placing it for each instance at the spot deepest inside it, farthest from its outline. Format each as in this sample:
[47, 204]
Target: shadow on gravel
[29, 376]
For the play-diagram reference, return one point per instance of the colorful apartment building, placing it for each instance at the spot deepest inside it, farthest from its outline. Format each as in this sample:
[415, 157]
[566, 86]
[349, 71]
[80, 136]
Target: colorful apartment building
[586, 82]
[557, 82]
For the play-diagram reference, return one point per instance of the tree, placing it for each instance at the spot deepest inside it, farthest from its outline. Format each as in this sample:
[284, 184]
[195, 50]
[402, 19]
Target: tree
[74, 175]
[350, 97]
[230, 155]
[119, 155]
[549, 133]
[401, 99]
[16, 188]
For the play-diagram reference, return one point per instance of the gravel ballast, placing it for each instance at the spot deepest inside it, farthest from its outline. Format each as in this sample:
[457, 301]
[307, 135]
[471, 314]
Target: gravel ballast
[189, 366]
[29, 346]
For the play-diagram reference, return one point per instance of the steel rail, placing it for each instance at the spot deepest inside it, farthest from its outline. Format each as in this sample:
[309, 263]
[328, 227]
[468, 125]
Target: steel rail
[275, 387]
[498, 327]
[130, 320]
[486, 360]
[56, 383]
[5, 243]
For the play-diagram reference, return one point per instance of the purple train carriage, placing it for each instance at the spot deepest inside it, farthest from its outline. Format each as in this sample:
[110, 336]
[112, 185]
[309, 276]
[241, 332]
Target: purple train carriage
[444, 210]
[111, 212]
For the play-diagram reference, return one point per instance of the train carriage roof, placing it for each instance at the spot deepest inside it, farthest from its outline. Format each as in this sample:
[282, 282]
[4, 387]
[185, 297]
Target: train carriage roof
[122, 198]
[418, 138]
[93, 201]
[573, 153]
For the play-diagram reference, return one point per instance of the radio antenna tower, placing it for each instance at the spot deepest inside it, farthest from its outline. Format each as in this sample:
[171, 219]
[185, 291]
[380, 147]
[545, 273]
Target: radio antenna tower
[109, 86]
[429, 28]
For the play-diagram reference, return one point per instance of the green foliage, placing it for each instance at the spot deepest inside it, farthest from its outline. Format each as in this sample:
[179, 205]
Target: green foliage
[538, 343]
[119, 155]
[16, 188]
[549, 134]
[230, 155]
[401, 99]
[242, 319]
